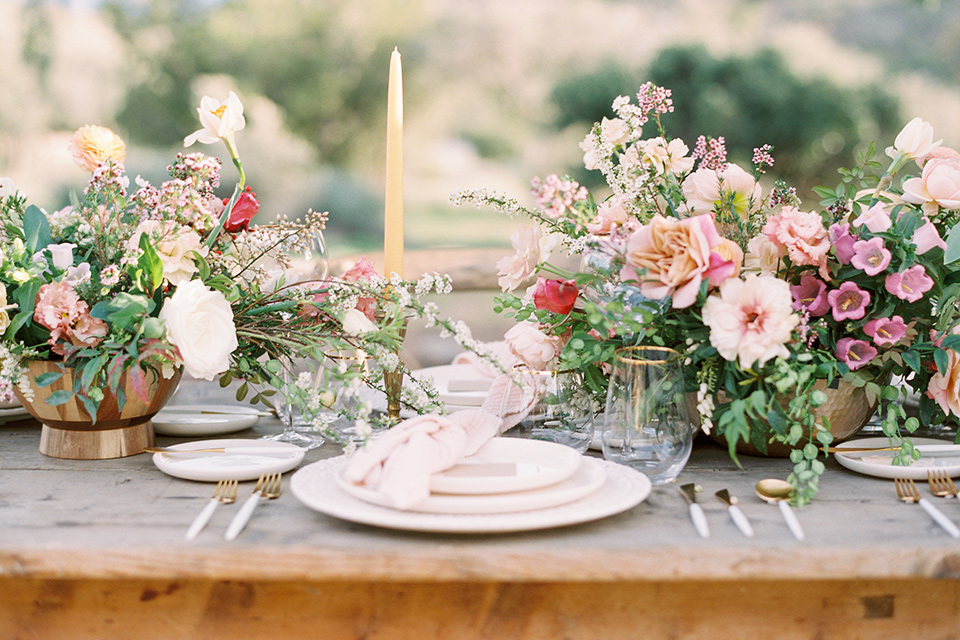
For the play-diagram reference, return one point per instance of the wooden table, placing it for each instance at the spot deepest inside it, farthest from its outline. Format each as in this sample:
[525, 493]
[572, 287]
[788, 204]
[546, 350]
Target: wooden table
[96, 549]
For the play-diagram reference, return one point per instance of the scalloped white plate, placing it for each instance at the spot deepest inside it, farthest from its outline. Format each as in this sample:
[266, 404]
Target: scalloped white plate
[315, 486]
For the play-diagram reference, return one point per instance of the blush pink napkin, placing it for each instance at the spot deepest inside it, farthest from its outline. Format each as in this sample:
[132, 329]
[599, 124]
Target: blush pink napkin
[500, 352]
[400, 463]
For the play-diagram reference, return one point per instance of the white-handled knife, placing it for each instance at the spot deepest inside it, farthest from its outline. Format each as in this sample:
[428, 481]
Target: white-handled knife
[945, 523]
[791, 519]
[735, 512]
[689, 492]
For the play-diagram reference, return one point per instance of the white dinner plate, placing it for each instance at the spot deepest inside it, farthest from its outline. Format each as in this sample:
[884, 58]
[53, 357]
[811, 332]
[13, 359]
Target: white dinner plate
[315, 486]
[460, 386]
[505, 465]
[588, 478]
[12, 414]
[879, 464]
[204, 420]
[213, 467]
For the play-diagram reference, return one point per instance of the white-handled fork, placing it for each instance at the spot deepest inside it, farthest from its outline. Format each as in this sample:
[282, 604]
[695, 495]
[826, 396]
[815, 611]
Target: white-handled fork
[268, 486]
[226, 492]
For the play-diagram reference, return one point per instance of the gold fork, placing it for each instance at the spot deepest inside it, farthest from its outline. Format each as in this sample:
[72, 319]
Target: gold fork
[268, 486]
[907, 491]
[226, 492]
[941, 485]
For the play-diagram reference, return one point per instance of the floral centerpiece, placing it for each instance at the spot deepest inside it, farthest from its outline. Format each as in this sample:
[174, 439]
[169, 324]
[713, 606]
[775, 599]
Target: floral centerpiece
[138, 280]
[763, 296]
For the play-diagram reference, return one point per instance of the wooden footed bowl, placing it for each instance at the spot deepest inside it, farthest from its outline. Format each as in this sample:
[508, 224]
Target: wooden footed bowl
[70, 432]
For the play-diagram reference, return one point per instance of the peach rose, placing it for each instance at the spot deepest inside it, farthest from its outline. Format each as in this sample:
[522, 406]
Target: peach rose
[672, 257]
[92, 145]
[731, 251]
[945, 389]
[938, 186]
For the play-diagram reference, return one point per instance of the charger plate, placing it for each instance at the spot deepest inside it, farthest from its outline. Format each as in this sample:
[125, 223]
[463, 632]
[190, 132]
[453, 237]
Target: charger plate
[316, 486]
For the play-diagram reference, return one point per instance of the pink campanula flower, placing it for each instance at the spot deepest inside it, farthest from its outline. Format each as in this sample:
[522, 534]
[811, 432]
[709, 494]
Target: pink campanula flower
[886, 331]
[841, 238]
[855, 353]
[910, 284]
[557, 296]
[751, 320]
[870, 256]
[849, 302]
[927, 237]
[802, 235]
[876, 218]
[810, 294]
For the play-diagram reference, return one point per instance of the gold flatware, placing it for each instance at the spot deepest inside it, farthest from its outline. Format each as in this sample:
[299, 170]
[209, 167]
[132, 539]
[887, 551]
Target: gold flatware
[252, 450]
[268, 486]
[941, 484]
[735, 512]
[907, 492]
[226, 492]
[779, 491]
[689, 492]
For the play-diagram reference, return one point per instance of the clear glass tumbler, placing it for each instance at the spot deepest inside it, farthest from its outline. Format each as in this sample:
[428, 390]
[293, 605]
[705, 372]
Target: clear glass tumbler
[561, 411]
[646, 423]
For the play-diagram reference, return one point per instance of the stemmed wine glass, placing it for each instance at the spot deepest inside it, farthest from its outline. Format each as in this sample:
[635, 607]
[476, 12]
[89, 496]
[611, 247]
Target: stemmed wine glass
[310, 264]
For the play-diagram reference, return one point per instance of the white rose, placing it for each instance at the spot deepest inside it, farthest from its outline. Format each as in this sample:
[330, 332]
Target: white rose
[7, 187]
[763, 256]
[174, 245]
[355, 323]
[199, 322]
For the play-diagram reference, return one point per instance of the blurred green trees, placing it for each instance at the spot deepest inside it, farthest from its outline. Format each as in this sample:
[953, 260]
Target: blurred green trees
[812, 125]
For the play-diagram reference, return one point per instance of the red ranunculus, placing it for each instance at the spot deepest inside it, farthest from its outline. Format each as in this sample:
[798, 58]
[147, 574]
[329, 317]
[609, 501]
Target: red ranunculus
[557, 296]
[243, 211]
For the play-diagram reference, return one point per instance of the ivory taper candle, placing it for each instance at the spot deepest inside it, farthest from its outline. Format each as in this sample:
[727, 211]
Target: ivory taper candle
[393, 209]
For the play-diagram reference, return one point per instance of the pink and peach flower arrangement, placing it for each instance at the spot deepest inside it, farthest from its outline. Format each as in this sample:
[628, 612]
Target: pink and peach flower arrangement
[763, 295]
[142, 280]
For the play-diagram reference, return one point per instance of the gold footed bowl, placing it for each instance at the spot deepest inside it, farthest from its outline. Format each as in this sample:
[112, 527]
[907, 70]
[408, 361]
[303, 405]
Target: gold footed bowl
[68, 430]
[847, 409]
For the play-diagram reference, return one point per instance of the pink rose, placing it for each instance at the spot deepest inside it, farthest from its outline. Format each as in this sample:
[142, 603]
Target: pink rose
[532, 346]
[60, 309]
[364, 269]
[610, 214]
[802, 235]
[915, 140]
[557, 296]
[938, 186]
[672, 257]
[243, 211]
[513, 270]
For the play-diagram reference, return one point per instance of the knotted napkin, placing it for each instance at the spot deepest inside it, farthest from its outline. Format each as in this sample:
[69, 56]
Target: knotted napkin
[400, 463]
